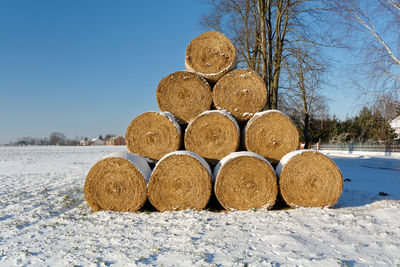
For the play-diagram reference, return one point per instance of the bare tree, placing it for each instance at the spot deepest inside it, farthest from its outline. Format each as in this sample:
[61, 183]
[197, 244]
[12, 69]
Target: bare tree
[302, 99]
[57, 138]
[374, 28]
[262, 31]
[387, 106]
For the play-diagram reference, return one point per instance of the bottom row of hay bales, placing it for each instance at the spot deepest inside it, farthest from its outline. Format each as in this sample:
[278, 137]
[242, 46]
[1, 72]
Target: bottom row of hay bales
[183, 180]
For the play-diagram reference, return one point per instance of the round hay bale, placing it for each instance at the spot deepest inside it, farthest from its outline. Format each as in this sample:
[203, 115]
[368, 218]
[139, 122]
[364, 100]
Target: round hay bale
[309, 179]
[241, 92]
[271, 134]
[213, 135]
[153, 134]
[210, 55]
[117, 182]
[245, 180]
[185, 94]
[181, 180]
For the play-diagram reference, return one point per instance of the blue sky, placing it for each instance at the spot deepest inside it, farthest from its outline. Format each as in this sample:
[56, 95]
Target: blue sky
[89, 67]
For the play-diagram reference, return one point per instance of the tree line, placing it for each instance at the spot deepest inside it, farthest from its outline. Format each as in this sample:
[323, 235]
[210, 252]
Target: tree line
[367, 126]
[55, 139]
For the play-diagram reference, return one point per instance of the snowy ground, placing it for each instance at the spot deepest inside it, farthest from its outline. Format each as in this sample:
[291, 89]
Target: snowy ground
[44, 220]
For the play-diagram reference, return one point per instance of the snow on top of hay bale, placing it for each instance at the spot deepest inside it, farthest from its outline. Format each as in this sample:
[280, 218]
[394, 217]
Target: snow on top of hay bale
[285, 159]
[172, 119]
[222, 112]
[187, 153]
[234, 155]
[262, 113]
[141, 163]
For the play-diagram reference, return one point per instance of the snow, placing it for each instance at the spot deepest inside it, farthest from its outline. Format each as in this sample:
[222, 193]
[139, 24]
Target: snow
[361, 153]
[139, 162]
[219, 111]
[187, 153]
[172, 119]
[234, 155]
[45, 221]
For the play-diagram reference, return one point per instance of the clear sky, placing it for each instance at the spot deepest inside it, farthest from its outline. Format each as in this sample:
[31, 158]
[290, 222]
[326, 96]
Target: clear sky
[89, 67]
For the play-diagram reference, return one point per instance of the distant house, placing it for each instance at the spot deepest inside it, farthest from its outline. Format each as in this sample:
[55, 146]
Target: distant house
[115, 141]
[395, 124]
[96, 142]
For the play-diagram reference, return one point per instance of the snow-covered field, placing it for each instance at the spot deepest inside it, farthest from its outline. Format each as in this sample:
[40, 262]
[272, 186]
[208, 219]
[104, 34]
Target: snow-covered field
[45, 221]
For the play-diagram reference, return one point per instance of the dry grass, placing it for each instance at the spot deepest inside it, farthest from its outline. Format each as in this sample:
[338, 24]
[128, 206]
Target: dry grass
[310, 179]
[115, 184]
[271, 134]
[179, 182]
[185, 94]
[245, 182]
[152, 135]
[210, 55]
[212, 135]
[241, 92]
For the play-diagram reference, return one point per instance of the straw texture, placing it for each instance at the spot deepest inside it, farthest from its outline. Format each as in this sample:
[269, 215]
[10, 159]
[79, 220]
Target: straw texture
[181, 180]
[152, 135]
[241, 92]
[212, 135]
[210, 55]
[245, 180]
[309, 179]
[271, 134]
[117, 183]
[185, 94]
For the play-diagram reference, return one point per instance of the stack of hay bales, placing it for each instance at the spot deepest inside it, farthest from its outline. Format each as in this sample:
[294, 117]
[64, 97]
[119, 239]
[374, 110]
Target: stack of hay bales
[207, 113]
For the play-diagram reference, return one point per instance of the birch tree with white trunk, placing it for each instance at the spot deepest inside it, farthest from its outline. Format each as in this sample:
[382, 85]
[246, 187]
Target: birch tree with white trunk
[375, 30]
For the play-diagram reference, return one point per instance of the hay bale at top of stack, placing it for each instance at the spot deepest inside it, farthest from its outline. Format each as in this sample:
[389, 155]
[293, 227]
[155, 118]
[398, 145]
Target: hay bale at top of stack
[185, 94]
[153, 134]
[245, 180]
[309, 179]
[271, 134]
[181, 180]
[117, 182]
[213, 135]
[210, 55]
[241, 92]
